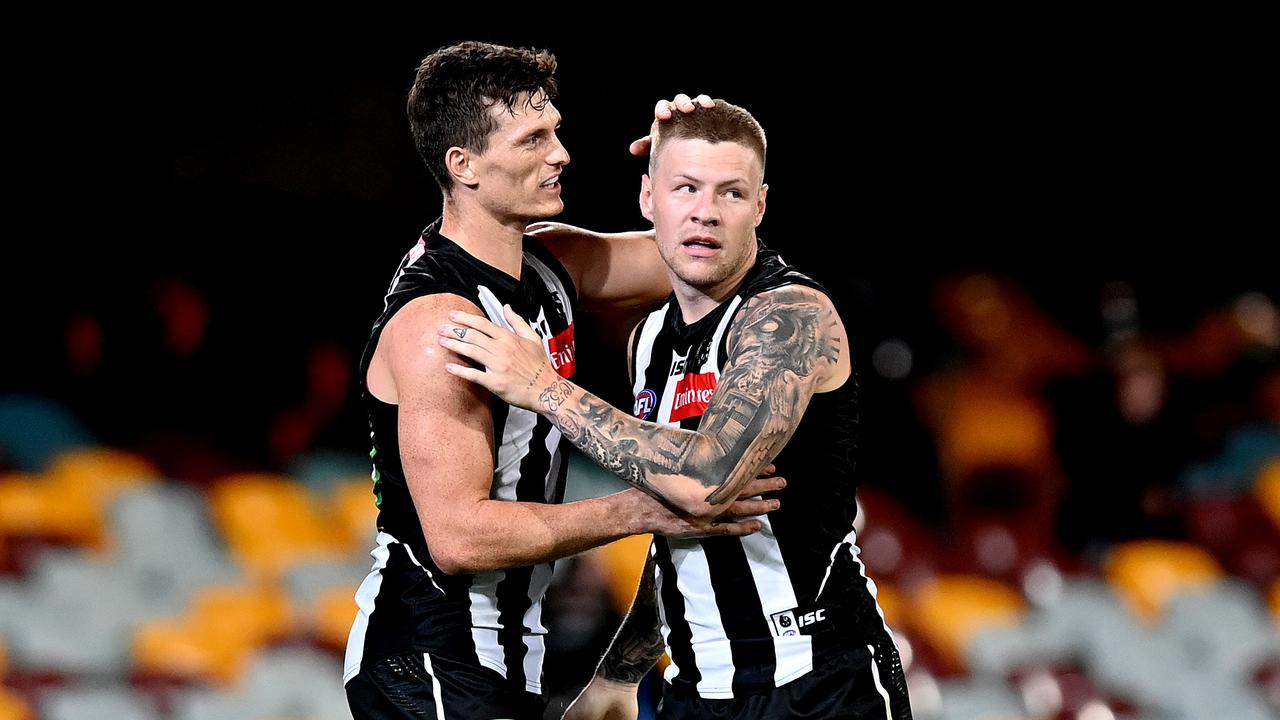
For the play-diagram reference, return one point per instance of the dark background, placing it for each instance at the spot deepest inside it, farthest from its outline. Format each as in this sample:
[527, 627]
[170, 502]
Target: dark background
[267, 167]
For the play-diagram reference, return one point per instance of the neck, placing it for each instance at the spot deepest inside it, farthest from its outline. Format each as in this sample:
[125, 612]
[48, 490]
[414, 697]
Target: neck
[697, 302]
[491, 240]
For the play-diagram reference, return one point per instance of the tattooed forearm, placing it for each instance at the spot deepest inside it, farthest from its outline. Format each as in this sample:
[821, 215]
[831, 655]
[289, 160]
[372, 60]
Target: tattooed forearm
[638, 644]
[779, 345]
[555, 394]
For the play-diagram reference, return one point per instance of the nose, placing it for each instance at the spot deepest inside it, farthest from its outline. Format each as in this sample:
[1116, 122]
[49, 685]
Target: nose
[559, 155]
[706, 211]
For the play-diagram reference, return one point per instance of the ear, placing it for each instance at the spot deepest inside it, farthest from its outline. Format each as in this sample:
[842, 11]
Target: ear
[646, 198]
[764, 190]
[460, 165]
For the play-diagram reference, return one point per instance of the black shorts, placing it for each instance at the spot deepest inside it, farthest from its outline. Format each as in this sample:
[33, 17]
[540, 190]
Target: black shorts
[417, 685]
[848, 686]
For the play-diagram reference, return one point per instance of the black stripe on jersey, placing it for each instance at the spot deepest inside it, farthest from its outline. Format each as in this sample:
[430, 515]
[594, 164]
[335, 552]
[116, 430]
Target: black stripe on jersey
[396, 608]
[679, 639]
[738, 600]
[500, 412]
[513, 590]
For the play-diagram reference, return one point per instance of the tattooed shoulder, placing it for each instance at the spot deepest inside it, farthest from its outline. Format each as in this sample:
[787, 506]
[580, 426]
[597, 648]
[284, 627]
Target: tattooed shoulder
[793, 327]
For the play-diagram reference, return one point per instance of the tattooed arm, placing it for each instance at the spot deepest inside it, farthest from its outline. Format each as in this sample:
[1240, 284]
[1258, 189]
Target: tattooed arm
[634, 650]
[783, 346]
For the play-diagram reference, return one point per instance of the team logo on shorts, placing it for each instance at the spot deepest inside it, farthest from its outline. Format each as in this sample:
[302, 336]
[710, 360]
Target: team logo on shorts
[645, 402]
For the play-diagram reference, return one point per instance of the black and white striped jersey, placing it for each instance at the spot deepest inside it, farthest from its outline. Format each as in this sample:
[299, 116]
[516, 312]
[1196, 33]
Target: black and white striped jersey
[406, 603]
[747, 614]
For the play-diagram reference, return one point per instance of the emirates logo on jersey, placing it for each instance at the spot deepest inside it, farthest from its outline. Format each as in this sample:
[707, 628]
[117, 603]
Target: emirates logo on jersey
[693, 394]
[563, 354]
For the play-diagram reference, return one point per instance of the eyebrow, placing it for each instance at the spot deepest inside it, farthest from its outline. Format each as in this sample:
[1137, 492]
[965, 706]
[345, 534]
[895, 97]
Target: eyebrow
[726, 183]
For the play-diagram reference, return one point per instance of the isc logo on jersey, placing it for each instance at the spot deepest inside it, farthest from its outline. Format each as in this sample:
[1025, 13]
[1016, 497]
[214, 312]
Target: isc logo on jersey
[693, 393]
[788, 622]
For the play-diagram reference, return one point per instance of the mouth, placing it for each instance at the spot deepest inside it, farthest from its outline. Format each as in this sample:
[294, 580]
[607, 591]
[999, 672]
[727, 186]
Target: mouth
[552, 183]
[700, 245]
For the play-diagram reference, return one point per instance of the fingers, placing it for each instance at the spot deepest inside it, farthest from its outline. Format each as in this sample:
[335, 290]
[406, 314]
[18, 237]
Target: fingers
[521, 327]
[768, 470]
[640, 148]
[748, 507]
[681, 102]
[468, 373]
[476, 352]
[736, 529]
[762, 485]
[474, 322]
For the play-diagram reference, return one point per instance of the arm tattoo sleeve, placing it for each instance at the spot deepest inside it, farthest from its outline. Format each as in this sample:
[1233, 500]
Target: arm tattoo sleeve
[638, 644]
[777, 345]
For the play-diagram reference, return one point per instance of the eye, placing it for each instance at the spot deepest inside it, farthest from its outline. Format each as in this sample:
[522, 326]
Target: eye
[735, 194]
[686, 188]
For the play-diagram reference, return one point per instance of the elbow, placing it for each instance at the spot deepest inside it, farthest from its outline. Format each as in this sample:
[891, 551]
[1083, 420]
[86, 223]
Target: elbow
[454, 557]
[450, 562]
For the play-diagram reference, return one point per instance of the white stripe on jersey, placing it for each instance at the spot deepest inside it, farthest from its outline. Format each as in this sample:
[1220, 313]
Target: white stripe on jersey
[553, 281]
[644, 350]
[484, 621]
[875, 677]
[713, 358]
[773, 583]
[365, 598]
[707, 634]
[856, 555]
[435, 686]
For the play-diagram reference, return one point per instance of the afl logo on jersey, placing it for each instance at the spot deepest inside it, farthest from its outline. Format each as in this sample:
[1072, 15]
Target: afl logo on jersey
[645, 402]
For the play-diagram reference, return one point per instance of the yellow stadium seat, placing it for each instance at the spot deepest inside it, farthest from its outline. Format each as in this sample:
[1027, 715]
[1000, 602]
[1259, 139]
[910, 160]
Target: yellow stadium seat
[1267, 490]
[181, 649]
[14, 707]
[32, 506]
[892, 603]
[68, 502]
[1148, 573]
[215, 640]
[271, 523]
[354, 507]
[332, 616]
[1275, 601]
[623, 561]
[261, 614]
[950, 610]
[104, 468]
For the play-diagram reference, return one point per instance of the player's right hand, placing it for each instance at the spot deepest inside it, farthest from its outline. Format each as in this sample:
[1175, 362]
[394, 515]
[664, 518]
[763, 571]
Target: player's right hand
[662, 111]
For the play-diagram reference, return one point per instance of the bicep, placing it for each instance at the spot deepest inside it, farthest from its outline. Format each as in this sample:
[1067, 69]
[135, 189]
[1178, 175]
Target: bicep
[445, 427]
[782, 345]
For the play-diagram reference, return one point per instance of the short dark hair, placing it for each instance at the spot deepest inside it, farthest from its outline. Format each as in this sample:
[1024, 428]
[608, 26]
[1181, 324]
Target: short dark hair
[457, 85]
[725, 122]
